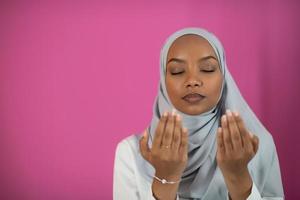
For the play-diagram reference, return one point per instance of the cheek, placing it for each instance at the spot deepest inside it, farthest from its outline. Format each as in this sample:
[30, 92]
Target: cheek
[173, 88]
[215, 88]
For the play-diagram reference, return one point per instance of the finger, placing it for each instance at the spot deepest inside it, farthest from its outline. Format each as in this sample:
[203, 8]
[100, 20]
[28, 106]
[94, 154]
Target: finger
[221, 147]
[242, 127]
[177, 134]
[234, 131]
[226, 135]
[168, 134]
[248, 142]
[157, 140]
[144, 148]
[183, 149]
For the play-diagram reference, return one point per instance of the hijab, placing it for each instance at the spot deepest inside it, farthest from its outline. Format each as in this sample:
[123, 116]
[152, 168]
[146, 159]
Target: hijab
[202, 167]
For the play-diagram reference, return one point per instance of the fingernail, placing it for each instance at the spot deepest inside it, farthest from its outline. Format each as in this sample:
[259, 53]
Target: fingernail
[165, 114]
[228, 112]
[145, 133]
[223, 118]
[251, 134]
[173, 112]
[236, 113]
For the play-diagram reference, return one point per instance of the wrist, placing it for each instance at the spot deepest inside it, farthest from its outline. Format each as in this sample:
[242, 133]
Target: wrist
[171, 178]
[164, 191]
[237, 176]
[165, 181]
[239, 185]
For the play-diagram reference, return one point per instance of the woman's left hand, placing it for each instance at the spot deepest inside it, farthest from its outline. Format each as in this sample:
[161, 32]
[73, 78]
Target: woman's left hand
[236, 147]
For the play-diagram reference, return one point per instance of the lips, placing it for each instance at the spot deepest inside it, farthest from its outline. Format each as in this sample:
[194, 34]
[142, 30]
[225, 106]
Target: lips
[193, 97]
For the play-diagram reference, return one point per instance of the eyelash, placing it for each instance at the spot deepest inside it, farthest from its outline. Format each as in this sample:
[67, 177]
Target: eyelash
[176, 73]
[205, 71]
[208, 71]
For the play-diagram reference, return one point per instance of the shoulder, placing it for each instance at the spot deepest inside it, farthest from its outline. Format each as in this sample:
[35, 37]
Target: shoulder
[131, 142]
[128, 156]
[266, 154]
[128, 146]
[266, 144]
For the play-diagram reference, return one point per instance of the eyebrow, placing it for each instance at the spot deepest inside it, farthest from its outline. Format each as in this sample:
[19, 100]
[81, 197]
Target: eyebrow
[183, 61]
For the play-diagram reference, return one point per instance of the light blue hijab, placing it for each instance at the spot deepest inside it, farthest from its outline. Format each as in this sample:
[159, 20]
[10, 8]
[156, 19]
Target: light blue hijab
[202, 178]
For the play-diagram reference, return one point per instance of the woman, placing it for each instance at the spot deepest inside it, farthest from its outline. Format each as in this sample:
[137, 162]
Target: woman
[204, 142]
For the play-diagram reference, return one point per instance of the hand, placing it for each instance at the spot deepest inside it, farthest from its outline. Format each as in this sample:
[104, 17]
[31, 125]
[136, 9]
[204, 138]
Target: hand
[168, 154]
[236, 147]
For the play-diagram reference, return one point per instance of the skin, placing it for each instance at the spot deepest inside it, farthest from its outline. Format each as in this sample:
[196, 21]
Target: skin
[192, 66]
[193, 57]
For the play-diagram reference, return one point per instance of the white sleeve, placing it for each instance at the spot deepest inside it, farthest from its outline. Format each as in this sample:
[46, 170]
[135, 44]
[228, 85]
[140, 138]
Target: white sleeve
[255, 195]
[124, 179]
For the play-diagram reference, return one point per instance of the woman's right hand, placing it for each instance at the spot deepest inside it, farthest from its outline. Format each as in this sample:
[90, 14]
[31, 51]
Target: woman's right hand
[169, 152]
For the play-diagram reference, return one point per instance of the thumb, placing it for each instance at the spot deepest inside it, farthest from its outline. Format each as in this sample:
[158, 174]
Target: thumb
[145, 151]
[255, 142]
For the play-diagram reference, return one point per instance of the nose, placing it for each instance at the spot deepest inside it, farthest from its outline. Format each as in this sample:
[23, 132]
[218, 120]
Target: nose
[193, 83]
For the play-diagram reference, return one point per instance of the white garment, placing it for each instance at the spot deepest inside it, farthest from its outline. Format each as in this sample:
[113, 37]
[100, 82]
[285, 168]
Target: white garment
[130, 181]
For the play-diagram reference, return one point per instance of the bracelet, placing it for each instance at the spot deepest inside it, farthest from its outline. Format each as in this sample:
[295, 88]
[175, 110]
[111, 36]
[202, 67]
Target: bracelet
[164, 181]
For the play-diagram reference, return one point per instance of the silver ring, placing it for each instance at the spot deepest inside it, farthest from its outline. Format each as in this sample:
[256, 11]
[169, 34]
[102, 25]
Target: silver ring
[166, 146]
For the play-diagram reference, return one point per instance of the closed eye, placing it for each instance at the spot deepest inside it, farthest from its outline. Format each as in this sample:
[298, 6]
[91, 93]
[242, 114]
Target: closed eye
[207, 71]
[176, 73]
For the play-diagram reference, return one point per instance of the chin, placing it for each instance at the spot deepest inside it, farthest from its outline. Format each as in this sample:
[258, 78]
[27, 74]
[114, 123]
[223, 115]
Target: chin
[195, 113]
[192, 111]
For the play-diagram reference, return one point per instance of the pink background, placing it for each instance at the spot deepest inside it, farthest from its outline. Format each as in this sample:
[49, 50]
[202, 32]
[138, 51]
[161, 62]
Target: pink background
[76, 77]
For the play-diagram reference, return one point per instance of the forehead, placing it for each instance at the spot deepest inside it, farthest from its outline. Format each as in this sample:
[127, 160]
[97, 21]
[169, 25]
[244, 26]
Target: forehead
[191, 43]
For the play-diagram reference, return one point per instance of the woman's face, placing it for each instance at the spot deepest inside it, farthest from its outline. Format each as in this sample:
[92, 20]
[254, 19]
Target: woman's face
[193, 76]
